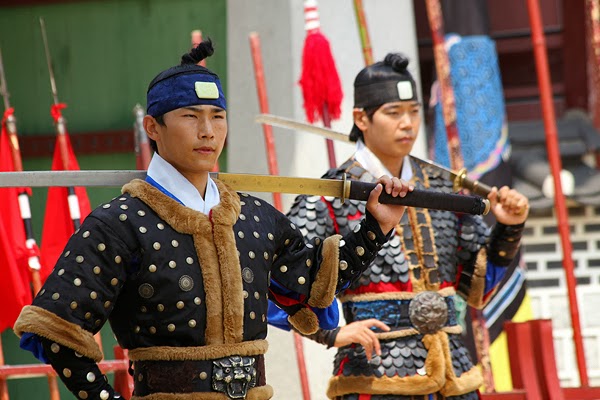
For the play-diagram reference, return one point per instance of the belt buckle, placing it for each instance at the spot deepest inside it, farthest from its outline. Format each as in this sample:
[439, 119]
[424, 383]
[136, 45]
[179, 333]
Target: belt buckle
[234, 375]
[428, 312]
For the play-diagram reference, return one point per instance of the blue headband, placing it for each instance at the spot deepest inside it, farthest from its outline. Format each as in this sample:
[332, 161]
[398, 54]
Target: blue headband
[182, 90]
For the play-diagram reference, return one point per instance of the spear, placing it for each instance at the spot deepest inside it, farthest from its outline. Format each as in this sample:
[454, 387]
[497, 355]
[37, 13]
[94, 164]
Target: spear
[61, 130]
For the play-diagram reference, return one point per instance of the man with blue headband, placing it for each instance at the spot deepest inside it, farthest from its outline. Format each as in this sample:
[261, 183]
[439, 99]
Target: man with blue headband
[182, 266]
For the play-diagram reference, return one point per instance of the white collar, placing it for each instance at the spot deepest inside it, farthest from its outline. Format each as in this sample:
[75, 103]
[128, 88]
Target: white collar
[171, 180]
[375, 167]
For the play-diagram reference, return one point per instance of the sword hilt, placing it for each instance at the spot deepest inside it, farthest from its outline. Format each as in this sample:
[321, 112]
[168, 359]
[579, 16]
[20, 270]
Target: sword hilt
[462, 181]
[425, 198]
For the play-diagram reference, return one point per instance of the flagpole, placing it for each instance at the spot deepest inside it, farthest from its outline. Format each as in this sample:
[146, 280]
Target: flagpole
[442, 68]
[447, 100]
[261, 89]
[61, 142]
[24, 204]
[10, 123]
[547, 103]
[363, 32]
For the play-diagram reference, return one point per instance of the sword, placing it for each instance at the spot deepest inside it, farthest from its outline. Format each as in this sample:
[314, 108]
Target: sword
[344, 188]
[459, 178]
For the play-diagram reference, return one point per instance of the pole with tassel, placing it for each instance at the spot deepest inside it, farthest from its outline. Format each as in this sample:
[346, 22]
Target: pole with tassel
[320, 81]
[442, 65]
[261, 89]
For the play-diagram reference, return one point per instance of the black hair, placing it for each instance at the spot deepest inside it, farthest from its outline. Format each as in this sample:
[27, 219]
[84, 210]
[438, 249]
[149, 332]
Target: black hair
[392, 68]
[188, 64]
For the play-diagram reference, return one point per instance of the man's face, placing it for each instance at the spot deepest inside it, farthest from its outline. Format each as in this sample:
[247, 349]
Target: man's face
[392, 131]
[192, 138]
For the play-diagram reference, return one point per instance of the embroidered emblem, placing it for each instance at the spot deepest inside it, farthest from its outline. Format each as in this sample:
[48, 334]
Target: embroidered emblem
[206, 90]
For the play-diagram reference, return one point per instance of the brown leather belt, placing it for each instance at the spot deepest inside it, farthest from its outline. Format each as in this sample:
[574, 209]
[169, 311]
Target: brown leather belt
[233, 375]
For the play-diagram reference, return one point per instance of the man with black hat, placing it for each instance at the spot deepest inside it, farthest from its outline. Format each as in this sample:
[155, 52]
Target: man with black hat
[181, 265]
[402, 340]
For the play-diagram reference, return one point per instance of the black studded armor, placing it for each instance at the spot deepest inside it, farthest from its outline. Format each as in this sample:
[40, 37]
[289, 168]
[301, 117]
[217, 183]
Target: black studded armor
[167, 277]
[431, 251]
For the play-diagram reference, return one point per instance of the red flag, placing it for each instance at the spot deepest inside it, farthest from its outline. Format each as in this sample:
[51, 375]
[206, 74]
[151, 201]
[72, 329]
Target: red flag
[14, 279]
[58, 222]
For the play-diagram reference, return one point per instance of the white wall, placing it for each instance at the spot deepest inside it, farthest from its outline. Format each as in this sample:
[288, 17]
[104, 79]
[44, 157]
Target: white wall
[280, 24]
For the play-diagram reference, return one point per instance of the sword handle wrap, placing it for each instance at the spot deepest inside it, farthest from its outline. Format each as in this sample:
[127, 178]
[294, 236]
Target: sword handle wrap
[425, 199]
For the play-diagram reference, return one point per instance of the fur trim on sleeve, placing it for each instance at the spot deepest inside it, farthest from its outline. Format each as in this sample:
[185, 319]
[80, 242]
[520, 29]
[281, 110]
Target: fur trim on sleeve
[322, 292]
[41, 322]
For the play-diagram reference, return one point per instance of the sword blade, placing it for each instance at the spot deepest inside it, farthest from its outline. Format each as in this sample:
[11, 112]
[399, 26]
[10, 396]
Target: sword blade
[459, 178]
[282, 184]
[288, 123]
[255, 183]
[115, 178]
[105, 178]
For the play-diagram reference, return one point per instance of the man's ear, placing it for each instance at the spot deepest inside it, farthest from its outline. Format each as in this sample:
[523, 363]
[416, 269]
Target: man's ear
[151, 127]
[360, 118]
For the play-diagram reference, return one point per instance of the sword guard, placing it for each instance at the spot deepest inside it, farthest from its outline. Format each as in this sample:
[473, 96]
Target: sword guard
[459, 181]
[345, 188]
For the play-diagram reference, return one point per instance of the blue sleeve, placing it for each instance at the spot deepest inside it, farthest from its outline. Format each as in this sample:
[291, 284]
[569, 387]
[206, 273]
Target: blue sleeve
[493, 275]
[329, 317]
[32, 343]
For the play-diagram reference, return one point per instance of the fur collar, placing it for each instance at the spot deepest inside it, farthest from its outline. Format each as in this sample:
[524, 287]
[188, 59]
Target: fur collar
[184, 219]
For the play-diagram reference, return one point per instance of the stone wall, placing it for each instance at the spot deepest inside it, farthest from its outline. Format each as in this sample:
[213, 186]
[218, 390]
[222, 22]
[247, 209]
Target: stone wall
[546, 281]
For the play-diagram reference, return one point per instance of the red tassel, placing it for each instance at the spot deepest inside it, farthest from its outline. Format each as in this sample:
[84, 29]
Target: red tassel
[320, 81]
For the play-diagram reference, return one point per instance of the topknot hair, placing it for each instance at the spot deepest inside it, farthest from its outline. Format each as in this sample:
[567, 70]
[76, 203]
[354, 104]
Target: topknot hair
[397, 61]
[189, 63]
[203, 50]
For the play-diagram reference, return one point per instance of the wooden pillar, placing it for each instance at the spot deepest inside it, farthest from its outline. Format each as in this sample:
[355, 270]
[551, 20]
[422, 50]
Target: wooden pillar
[574, 54]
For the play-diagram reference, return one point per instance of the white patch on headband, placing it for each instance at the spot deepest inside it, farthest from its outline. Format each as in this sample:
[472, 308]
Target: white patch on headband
[206, 90]
[405, 90]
